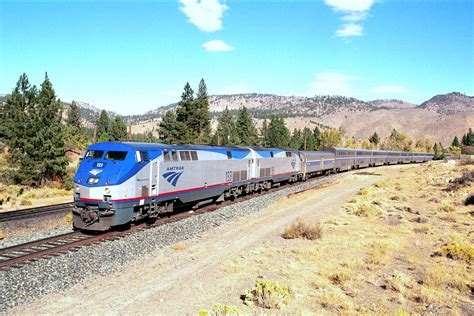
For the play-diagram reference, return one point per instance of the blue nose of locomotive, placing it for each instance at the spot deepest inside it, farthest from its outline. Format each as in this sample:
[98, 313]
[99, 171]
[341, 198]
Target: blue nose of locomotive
[104, 164]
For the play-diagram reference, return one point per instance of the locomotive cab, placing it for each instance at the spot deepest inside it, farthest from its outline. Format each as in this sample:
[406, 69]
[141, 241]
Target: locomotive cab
[109, 176]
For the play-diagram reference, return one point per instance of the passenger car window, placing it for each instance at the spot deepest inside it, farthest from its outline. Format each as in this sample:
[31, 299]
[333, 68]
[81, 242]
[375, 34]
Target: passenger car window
[116, 155]
[94, 154]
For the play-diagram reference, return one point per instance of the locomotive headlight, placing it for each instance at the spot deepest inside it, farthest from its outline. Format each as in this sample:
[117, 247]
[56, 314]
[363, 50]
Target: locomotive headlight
[92, 180]
[78, 188]
[107, 190]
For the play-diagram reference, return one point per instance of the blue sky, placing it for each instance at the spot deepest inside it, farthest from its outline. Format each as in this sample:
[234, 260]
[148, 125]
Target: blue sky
[132, 56]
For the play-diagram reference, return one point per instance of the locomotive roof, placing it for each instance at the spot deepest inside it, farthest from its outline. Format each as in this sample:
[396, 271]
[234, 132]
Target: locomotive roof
[160, 146]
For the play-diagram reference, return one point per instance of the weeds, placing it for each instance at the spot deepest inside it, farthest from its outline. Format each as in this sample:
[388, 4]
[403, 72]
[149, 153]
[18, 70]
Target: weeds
[458, 251]
[68, 218]
[367, 210]
[302, 230]
[221, 310]
[267, 294]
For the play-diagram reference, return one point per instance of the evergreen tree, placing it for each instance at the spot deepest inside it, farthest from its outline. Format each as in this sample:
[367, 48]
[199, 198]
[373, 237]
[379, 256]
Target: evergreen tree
[456, 142]
[470, 138]
[317, 137]
[14, 129]
[202, 118]
[245, 128]
[436, 152]
[167, 131]
[118, 130]
[103, 127]
[186, 113]
[296, 140]
[309, 143]
[226, 133]
[264, 134]
[44, 157]
[374, 139]
[73, 117]
[278, 134]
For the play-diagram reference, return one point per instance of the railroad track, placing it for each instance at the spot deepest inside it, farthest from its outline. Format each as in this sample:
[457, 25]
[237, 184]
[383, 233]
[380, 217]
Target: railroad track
[19, 255]
[35, 211]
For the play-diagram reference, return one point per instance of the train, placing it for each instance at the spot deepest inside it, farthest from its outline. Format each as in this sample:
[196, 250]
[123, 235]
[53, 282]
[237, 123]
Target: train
[119, 183]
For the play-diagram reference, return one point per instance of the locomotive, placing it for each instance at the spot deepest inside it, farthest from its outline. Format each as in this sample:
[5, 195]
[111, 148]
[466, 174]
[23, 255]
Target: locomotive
[118, 183]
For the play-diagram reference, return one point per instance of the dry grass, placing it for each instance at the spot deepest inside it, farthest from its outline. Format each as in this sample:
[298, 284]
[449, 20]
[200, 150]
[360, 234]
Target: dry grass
[303, 230]
[367, 265]
[68, 218]
[178, 246]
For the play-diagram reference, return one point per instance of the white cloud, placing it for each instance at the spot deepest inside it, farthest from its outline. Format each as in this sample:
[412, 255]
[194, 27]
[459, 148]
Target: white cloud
[217, 46]
[205, 14]
[332, 83]
[350, 5]
[349, 30]
[354, 12]
[390, 89]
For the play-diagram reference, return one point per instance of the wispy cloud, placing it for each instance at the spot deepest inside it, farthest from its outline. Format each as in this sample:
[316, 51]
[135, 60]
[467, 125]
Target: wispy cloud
[349, 30]
[354, 12]
[390, 89]
[332, 83]
[217, 46]
[205, 14]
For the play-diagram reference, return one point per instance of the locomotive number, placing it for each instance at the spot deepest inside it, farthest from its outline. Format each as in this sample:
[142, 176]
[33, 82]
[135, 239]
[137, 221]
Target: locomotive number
[228, 176]
[99, 165]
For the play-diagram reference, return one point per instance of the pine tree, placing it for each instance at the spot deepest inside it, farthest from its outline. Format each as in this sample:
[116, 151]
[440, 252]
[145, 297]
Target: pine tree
[103, 127]
[16, 114]
[278, 134]
[245, 128]
[187, 126]
[436, 152]
[374, 139]
[456, 142]
[73, 117]
[296, 139]
[118, 130]
[226, 133]
[317, 137]
[470, 138]
[309, 143]
[167, 130]
[45, 153]
[264, 134]
[202, 118]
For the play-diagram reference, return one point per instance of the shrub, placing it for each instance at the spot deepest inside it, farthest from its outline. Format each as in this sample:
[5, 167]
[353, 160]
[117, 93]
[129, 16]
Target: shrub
[302, 230]
[68, 218]
[367, 210]
[26, 202]
[447, 208]
[339, 276]
[224, 310]
[458, 252]
[363, 191]
[267, 294]
[399, 282]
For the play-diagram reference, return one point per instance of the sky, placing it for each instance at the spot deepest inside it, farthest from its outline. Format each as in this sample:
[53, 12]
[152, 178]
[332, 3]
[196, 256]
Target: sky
[133, 56]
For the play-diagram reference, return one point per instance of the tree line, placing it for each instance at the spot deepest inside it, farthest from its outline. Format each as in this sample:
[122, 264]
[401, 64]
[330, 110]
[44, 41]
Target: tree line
[32, 127]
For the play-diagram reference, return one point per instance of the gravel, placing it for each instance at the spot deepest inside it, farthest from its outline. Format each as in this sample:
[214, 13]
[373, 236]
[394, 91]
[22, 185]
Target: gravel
[24, 284]
[20, 232]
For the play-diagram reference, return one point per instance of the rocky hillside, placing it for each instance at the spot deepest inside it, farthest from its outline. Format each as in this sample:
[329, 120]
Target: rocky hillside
[450, 103]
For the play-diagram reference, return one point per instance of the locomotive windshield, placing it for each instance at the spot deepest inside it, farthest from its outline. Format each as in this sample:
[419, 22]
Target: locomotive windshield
[94, 154]
[116, 155]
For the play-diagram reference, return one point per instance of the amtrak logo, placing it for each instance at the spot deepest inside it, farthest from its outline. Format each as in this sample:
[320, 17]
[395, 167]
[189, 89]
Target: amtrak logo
[95, 171]
[172, 177]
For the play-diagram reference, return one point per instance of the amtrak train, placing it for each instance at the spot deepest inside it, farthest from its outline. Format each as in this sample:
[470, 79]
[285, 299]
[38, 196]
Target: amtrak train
[118, 183]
